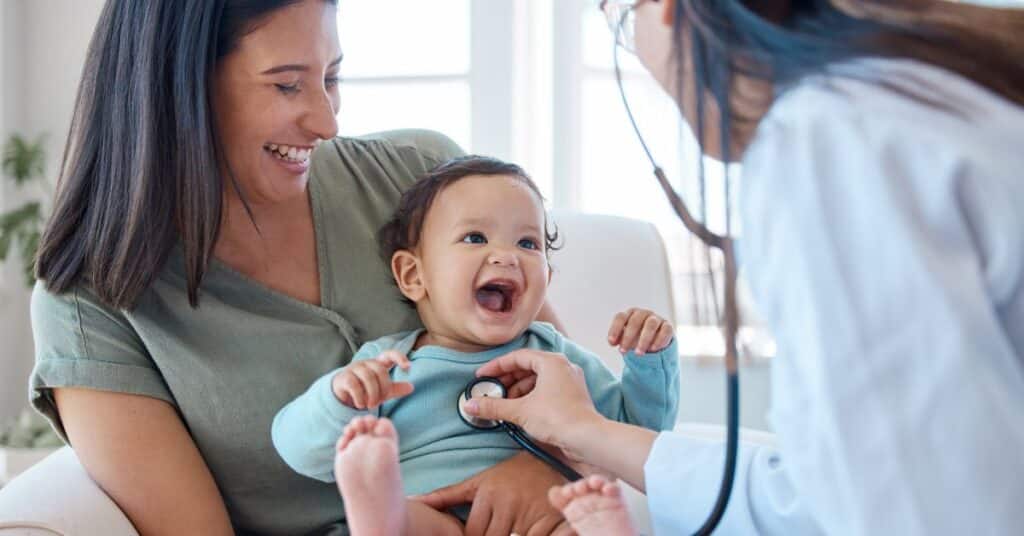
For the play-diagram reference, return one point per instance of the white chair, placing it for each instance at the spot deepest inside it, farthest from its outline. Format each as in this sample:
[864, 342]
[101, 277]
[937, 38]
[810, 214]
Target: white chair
[57, 497]
[607, 265]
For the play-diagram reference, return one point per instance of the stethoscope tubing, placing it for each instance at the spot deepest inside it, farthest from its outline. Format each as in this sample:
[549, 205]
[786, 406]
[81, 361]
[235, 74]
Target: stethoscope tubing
[731, 369]
[527, 443]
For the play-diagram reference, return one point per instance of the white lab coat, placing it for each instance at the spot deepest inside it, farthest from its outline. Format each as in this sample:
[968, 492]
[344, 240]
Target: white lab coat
[884, 242]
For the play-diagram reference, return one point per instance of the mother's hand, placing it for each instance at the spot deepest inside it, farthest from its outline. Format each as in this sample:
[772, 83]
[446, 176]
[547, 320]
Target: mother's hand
[509, 497]
[552, 403]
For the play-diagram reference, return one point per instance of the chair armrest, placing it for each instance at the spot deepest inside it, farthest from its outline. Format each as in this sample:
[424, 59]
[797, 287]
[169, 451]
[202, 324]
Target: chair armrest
[57, 497]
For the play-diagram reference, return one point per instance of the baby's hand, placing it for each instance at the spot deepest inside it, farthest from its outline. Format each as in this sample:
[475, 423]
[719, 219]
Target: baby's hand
[640, 330]
[367, 384]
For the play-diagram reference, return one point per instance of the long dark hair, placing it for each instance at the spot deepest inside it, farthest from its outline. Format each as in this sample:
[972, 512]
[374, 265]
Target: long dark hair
[141, 167]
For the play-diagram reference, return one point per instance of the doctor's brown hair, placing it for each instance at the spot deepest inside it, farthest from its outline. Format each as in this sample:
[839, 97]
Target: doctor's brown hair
[779, 42]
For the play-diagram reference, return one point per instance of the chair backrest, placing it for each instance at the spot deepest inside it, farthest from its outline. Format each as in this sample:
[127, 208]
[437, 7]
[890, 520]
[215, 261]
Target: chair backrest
[607, 264]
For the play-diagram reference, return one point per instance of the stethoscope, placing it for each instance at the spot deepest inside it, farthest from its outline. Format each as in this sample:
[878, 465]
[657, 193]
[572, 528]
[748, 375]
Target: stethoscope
[493, 388]
[731, 324]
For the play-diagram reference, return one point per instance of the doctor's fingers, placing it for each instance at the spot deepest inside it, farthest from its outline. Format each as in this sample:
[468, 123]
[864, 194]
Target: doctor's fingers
[524, 360]
[498, 409]
[522, 387]
[510, 378]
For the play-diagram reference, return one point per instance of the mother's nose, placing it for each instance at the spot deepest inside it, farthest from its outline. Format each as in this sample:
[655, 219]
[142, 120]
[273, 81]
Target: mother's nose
[320, 118]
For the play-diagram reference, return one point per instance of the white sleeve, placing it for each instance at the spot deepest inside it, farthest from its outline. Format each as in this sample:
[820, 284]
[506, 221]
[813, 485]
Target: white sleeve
[683, 474]
[879, 249]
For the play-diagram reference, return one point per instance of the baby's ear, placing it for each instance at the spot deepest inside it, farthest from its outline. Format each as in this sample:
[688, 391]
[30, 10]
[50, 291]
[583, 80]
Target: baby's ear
[405, 266]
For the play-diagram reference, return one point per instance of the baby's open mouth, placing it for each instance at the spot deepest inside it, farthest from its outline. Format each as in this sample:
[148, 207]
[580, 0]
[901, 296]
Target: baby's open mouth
[497, 295]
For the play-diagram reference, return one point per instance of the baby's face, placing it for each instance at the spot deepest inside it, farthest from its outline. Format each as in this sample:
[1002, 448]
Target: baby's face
[483, 260]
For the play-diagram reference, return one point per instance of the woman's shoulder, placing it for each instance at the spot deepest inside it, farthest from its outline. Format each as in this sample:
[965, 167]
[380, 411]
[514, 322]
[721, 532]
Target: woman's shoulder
[414, 148]
[377, 167]
[74, 319]
[429, 143]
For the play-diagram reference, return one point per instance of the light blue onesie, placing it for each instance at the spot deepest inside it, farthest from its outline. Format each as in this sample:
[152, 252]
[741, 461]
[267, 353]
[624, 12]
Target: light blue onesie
[436, 448]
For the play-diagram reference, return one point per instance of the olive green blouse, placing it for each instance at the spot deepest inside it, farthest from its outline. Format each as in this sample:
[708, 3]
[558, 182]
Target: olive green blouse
[229, 365]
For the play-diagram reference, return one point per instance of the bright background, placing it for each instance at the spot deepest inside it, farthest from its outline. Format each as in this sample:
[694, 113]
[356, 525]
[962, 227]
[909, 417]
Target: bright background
[525, 80]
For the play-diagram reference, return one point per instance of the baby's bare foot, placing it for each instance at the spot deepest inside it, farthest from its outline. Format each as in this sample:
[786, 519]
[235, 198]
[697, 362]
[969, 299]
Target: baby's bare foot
[366, 469]
[593, 506]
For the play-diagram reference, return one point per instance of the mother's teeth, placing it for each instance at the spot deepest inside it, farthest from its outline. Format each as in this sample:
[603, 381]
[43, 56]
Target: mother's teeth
[288, 152]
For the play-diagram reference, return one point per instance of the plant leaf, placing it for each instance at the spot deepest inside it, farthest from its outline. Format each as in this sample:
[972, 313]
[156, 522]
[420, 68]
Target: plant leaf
[23, 160]
[22, 226]
[29, 245]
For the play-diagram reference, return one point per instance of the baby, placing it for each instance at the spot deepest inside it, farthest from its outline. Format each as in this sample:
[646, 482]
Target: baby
[468, 246]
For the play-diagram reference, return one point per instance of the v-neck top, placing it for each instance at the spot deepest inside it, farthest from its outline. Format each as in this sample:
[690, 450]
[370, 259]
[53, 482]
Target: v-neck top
[230, 364]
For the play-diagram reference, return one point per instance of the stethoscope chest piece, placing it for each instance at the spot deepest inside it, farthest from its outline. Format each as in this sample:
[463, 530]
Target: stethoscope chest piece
[479, 388]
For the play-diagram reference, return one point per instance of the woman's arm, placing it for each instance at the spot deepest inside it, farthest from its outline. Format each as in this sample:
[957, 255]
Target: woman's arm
[138, 450]
[619, 448]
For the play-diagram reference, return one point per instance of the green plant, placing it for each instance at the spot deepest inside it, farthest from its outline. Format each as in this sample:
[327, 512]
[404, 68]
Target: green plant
[29, 430]
[23, 161]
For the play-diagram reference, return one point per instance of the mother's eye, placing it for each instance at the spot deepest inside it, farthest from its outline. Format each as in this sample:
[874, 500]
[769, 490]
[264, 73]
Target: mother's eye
[474, 238]
[287, 89]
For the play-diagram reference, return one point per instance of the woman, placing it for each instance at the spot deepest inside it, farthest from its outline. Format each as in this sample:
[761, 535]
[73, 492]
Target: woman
[882, 187]
[201, 268]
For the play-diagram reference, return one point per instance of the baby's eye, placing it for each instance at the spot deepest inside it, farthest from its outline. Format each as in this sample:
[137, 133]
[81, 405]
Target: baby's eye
[475, 238]
[528, 243]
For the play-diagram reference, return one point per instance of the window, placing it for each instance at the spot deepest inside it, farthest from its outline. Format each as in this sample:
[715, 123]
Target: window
[531, 81]
[400, 71]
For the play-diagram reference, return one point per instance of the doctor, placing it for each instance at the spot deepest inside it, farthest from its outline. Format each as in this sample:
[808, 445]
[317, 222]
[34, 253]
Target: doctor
[882, 145]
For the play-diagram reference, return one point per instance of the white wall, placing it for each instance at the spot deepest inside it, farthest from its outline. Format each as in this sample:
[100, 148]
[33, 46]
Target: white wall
[42, 49]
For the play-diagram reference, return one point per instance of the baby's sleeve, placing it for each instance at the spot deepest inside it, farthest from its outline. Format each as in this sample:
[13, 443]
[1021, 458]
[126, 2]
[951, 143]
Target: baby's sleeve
[648, 393]
[305, 431]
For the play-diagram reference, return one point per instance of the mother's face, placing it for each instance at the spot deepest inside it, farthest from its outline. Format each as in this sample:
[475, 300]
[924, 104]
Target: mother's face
[275, 98]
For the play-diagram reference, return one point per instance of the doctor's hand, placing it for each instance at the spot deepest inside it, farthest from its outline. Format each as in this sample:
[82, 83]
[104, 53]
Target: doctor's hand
[552, 403]
[367, 384]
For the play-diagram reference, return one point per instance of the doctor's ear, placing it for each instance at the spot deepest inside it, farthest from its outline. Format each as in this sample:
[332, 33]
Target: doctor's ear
[405, 266]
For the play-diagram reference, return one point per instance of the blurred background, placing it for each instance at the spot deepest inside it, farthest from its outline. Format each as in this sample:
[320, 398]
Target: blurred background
[529, 81]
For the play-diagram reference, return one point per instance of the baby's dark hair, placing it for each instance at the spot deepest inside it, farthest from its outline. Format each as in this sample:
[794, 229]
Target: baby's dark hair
[403, 230]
